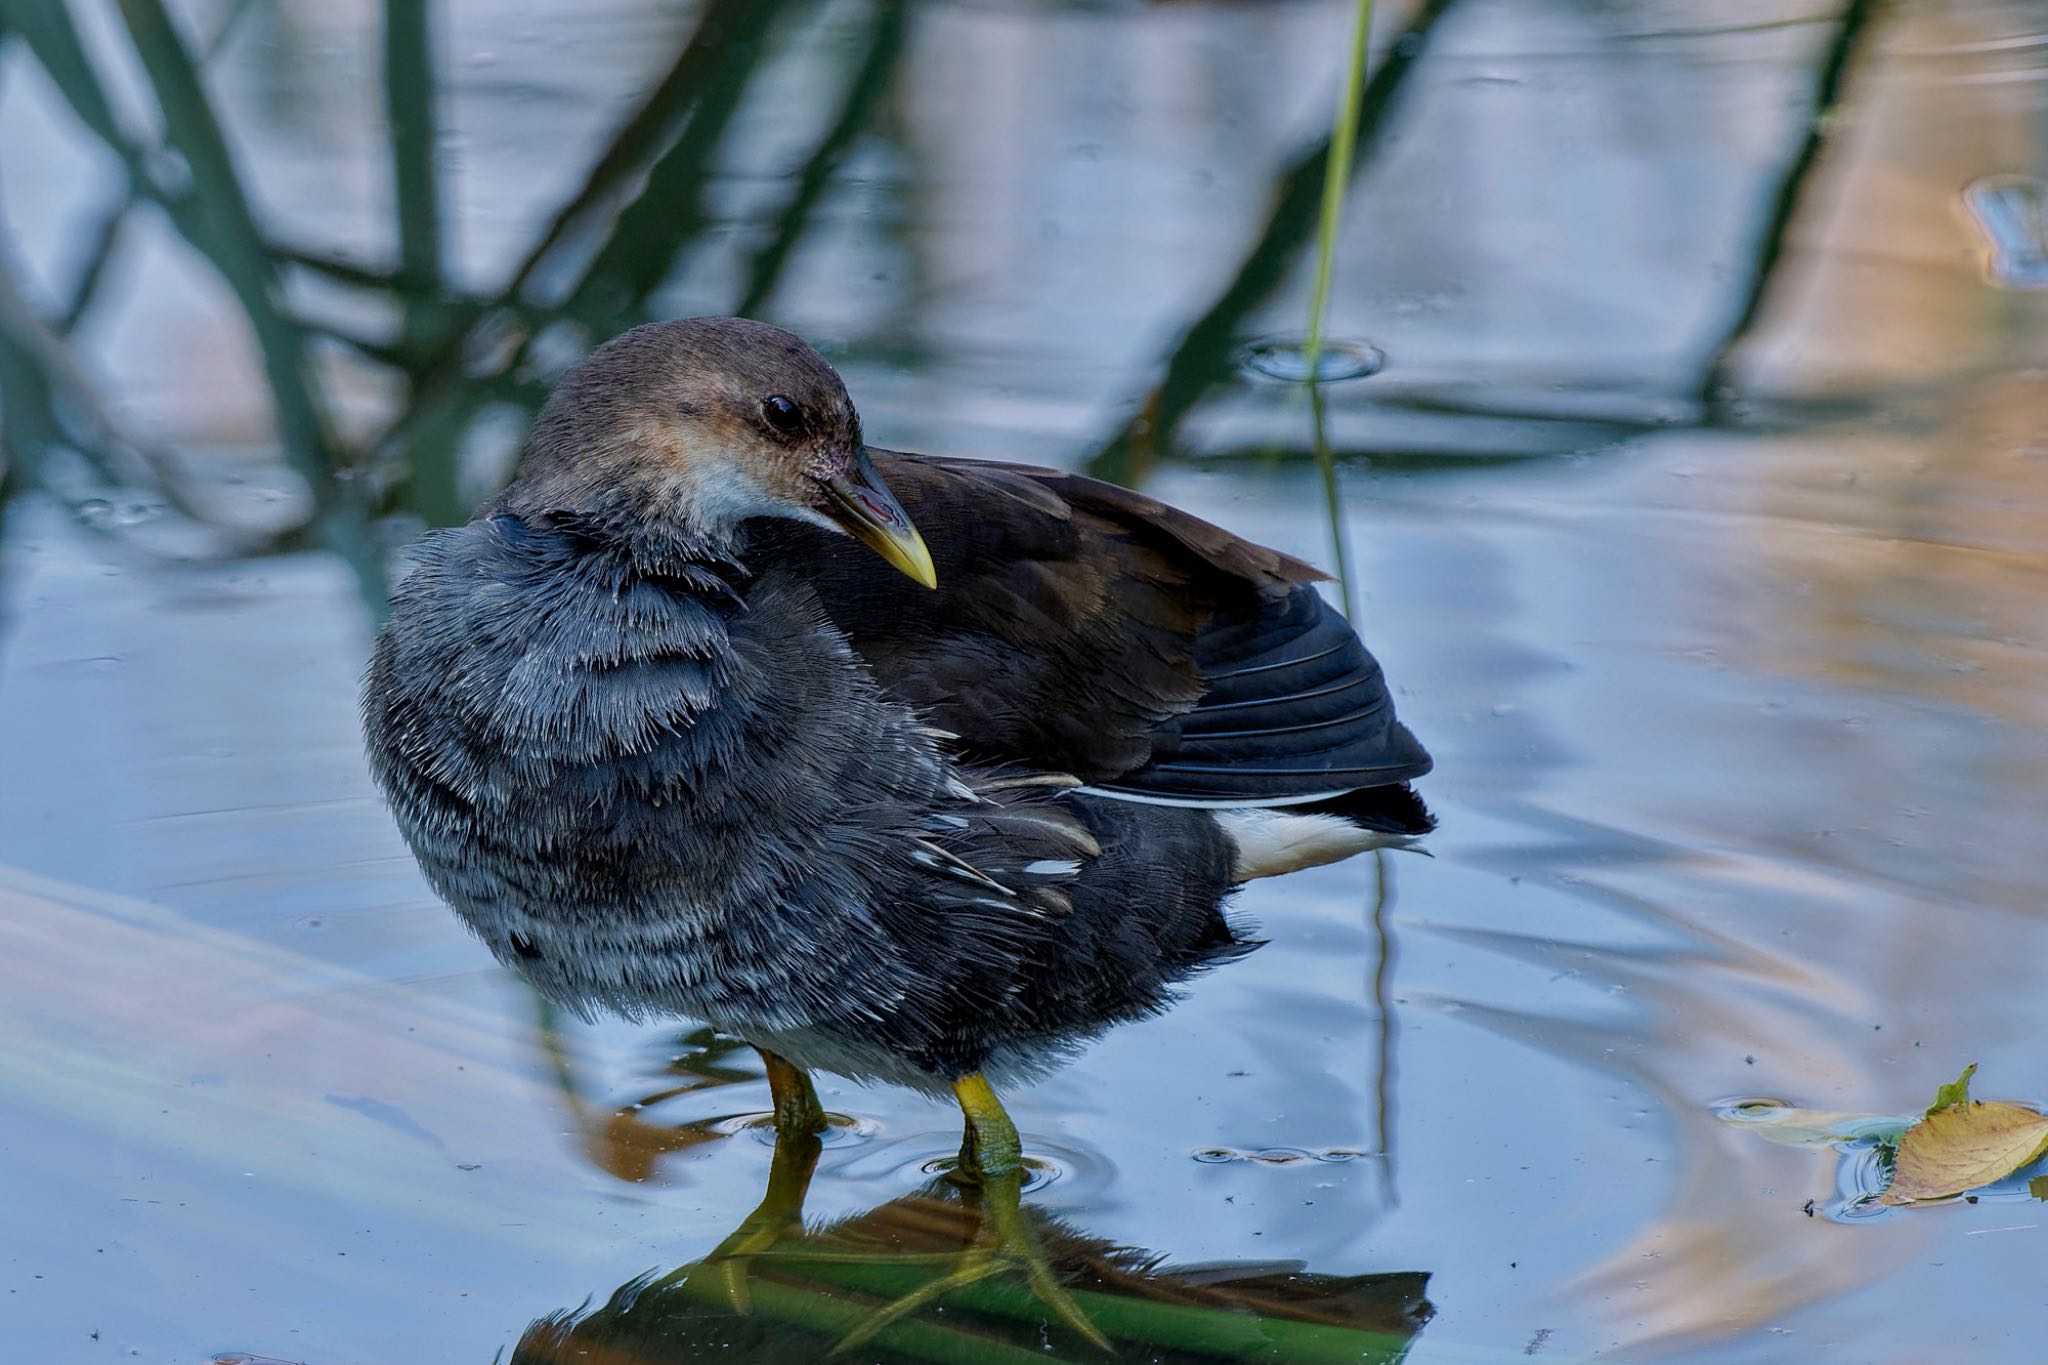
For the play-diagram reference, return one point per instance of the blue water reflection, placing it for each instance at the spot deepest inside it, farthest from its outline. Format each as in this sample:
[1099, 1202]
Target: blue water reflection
[1698, 513]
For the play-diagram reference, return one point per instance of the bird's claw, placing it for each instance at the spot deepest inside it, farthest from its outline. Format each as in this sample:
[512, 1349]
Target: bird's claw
[1005, 1241]
[779, 1214]
[725, 1268]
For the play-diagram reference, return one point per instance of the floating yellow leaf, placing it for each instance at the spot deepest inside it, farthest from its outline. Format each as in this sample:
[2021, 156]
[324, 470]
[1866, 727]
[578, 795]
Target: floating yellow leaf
[1957, 1149]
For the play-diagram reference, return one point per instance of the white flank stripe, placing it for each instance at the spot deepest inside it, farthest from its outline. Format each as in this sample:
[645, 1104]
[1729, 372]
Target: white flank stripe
[1271, 843]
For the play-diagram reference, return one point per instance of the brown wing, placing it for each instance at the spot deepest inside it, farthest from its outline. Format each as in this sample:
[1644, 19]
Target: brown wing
[1083, 627]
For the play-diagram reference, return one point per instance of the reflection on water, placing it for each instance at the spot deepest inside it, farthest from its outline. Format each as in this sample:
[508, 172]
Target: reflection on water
[2013, 212]
[629, 1140]
[774, 1290]
[1698, 509]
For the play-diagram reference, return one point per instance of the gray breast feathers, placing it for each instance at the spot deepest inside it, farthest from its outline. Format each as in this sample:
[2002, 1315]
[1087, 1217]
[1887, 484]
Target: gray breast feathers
[669, 788]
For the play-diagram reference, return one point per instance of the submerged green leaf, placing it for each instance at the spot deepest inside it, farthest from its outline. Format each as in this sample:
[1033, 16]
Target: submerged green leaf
[1793, 1127]
[1954, 1093]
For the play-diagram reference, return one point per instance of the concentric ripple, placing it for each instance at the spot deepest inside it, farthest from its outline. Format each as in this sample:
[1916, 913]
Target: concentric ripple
[1287, 359]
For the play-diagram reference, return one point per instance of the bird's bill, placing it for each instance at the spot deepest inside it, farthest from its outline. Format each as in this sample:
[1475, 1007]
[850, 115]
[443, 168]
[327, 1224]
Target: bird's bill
[865, 509]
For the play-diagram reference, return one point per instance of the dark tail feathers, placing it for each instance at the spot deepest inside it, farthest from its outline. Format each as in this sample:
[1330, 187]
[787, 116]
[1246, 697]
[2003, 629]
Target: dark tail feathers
[1392, 809]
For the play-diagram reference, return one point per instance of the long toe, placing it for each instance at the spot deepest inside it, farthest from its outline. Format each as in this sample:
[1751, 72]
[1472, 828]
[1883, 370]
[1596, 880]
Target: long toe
[778, 1216]
[1006, 1242]
[723, 1273]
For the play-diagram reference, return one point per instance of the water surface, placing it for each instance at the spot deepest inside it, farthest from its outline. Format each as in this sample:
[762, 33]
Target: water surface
[1697, 513]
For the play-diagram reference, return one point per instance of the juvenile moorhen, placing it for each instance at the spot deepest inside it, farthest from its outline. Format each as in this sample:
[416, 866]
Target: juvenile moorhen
[672, 743]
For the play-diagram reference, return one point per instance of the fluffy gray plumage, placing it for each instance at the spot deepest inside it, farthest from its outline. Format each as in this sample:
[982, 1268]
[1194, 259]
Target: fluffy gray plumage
[656, 784]
[656, 728]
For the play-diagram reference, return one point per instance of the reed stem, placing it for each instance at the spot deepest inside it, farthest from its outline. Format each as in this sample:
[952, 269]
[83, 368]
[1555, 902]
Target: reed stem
[1336, 178]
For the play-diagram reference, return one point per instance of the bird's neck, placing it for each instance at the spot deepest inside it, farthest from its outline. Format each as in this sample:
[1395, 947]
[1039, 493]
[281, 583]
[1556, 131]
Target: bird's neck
[654, 535]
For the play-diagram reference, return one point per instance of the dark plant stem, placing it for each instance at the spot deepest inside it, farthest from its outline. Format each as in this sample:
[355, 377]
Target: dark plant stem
[637, 247]
[1717, 381]
[1383, 1013]
[409, 110]
[214, 215]
[1201, 354]
[105, 242]
[885, 48]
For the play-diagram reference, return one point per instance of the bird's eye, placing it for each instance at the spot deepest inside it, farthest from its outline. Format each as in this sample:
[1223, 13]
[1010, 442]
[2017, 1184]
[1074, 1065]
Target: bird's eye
[782, 414]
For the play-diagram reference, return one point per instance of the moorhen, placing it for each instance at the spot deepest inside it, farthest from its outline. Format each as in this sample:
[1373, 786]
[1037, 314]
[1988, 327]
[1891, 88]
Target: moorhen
[912, 769]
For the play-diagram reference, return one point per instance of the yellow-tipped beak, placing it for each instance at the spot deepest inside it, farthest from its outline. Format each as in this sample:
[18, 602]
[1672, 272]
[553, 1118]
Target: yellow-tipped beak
[863, 505]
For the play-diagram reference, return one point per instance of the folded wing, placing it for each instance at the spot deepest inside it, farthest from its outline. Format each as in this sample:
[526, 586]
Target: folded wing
[1294, 708]
[1082, 627]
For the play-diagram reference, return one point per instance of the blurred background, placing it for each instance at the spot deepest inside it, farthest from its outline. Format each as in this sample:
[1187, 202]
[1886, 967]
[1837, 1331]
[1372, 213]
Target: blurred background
[1699, 515]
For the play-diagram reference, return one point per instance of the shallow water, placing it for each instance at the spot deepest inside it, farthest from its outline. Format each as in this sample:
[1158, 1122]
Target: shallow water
[1698, 515]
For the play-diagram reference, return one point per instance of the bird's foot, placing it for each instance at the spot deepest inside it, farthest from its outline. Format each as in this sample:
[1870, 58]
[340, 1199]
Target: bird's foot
[1005, 1242]
[724, 1271]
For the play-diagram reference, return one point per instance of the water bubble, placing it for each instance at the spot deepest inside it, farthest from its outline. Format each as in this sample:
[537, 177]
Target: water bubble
[1276, 1156]
[1279, 1156]
[94, 512]
[1286, 358]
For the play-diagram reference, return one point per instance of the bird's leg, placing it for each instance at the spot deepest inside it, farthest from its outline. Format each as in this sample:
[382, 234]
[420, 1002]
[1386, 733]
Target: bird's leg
[999, 1161]
[796, 1103]
[799, 1119]
[997, 1149]
[779, 1214]
[966, 1171]
[1005, 1240]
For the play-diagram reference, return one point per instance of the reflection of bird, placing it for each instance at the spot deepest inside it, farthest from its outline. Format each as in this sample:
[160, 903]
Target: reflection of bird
[669, 746]
[812, 1286]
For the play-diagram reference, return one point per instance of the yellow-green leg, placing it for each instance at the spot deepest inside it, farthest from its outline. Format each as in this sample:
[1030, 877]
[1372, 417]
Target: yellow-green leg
[799, 1119]
[796, 1103]
[779, 1215]
[975, 1094]
[998, 1150]
[1005, 1239]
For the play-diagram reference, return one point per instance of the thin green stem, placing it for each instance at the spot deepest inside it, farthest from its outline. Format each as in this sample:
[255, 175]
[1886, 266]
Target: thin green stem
[1200, 356]
[1333, 501]
[1336, 179]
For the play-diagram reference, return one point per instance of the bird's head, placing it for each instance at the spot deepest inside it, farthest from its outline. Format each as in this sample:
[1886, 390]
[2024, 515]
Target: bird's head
[710, 422]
